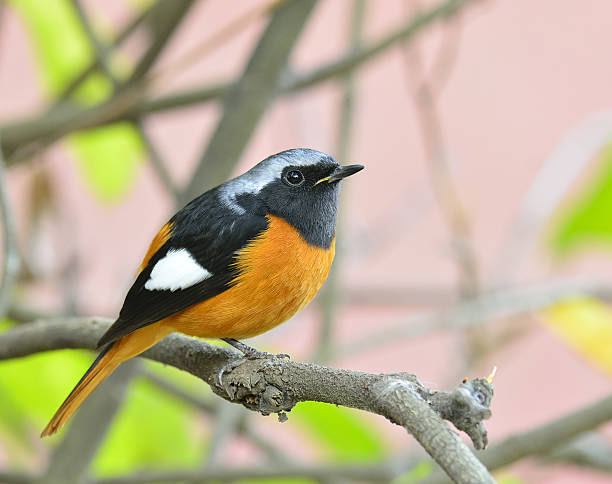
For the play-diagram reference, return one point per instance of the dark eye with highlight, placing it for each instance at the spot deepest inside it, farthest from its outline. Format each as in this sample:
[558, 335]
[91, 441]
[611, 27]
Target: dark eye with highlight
[294, 177]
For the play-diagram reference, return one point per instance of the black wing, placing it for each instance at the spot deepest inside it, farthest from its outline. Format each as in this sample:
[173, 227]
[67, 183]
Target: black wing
[212, 233]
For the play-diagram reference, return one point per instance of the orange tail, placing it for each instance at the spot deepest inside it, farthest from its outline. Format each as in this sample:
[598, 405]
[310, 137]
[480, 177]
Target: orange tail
[110, 358]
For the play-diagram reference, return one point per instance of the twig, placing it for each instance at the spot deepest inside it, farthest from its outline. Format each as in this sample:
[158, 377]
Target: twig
[125, 32]
[542, 439]
[547, 189]
[227, 421]
[319, 473]
[11, 252]
[102, 60]
[72, 457]
[158, 163]
[162, 22]
[443, 183]
[7, 477]
[210, 407]
[589, 450]
[277, 385]
[486, 307]
[101, 52]
[330, 294]
[218, 38]
[41, 131]
[248, 99]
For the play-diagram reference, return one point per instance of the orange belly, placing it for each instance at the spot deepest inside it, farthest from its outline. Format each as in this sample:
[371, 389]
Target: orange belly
[279, 274]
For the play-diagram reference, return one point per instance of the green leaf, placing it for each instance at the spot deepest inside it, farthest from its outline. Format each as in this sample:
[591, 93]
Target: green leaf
[508, 479]
[418, 472]
[32, 388]
[588, 220]
[344, 433]
[149, 420]
[109, 156]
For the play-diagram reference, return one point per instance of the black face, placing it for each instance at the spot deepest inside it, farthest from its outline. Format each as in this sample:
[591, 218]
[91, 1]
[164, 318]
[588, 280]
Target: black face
[309, 206]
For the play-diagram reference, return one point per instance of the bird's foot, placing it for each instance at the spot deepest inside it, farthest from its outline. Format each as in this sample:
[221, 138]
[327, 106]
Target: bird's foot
[249, 353]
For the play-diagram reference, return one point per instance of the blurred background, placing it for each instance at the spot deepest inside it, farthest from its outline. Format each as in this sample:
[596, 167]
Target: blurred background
[479, 235]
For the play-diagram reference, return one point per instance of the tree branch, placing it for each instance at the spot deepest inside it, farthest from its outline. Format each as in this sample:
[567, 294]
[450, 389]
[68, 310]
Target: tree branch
[542, 439]
[488, 306]
[9, 235]
[248, 99]
[71, 459]
[134, 102]
[277, 385]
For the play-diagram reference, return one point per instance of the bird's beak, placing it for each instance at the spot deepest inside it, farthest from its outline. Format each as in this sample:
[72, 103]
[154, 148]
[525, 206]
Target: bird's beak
[340, 173]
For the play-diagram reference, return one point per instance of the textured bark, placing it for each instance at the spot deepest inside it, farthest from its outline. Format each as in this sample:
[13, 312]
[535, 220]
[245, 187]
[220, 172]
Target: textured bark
[276, 385]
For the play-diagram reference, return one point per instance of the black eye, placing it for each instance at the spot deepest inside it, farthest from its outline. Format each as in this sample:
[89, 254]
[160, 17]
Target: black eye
[294, 177]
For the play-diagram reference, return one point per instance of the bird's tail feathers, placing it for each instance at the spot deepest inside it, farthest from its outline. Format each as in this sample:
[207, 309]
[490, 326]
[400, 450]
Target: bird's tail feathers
[103, 366]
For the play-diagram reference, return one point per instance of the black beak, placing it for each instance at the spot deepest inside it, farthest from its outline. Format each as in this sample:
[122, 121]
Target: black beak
[342, 172]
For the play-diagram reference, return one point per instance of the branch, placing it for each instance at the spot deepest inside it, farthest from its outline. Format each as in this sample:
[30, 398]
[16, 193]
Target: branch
[123, 34]
[362, 473]
[132, 103]
[590, 450]
[486, 307]
[330, 295]
[542, 439]
[277, 385]
[9, 236]
[163, 21]
[248, 99]
[71, 459]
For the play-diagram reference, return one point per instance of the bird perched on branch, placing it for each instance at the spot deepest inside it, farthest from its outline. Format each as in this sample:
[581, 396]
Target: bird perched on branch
[235, 262]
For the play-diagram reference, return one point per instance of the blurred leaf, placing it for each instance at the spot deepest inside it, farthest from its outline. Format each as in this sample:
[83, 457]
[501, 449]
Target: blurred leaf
[345, 433]
[509, 479]
[588, 220]
[109, 156]
[139, 436]
[32, 388]
[584, 324]
[418, 472]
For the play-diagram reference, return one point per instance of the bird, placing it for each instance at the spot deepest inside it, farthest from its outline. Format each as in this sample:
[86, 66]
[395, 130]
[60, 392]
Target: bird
[233, 263]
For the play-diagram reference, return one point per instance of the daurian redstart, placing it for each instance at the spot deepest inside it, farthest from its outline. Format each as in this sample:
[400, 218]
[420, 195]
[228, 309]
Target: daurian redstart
[235, 262]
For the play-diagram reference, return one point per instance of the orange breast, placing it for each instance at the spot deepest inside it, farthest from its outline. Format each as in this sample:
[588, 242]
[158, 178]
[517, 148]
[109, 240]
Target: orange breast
[279, 274]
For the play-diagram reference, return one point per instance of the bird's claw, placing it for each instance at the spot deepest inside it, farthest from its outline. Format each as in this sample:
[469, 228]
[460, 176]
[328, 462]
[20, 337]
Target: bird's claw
[250, 355]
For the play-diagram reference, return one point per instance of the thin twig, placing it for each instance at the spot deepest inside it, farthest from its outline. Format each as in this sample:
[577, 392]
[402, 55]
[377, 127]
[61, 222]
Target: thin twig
[34, 134]
[209, 407]
[198, 52]
[486, 307]
[162, 22]
[249, 97]
[72, 457]
[123, 34]
[100, 50]
[159, 166]
[442, 180]
[11, 251]
[590, 450]
[330, 294]
[541, 439]
[277, 385]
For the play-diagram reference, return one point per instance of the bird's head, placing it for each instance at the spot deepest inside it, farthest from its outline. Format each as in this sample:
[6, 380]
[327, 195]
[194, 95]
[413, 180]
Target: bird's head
[299, 185]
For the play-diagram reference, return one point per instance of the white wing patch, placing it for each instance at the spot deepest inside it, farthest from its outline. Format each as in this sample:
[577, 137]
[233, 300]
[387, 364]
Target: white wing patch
[177, 270]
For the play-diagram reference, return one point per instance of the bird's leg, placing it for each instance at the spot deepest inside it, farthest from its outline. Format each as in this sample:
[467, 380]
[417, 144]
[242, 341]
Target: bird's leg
[249, 352]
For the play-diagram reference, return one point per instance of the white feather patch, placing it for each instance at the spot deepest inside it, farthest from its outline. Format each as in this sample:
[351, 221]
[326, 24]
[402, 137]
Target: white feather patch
[177, 270]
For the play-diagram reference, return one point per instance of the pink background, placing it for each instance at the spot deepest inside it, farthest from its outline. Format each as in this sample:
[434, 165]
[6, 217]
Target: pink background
[527, 73]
